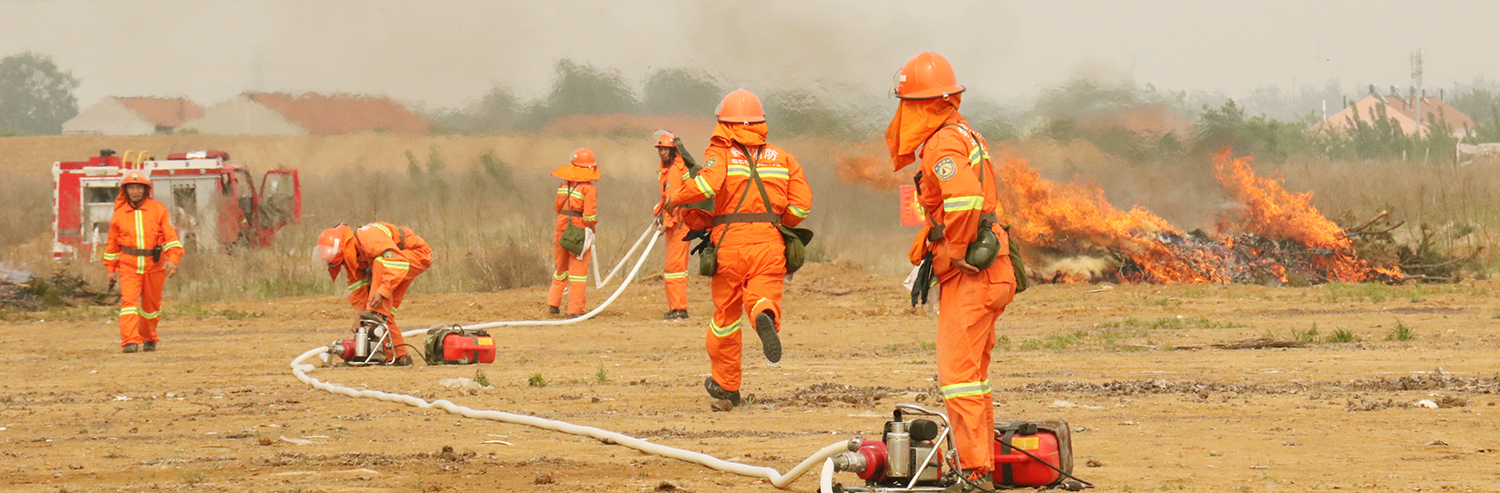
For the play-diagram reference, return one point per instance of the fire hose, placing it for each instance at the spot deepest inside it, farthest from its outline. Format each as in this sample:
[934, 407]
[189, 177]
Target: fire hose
[300, 370]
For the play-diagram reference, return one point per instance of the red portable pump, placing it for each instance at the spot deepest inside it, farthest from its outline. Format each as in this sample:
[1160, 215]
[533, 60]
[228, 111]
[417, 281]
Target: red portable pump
[911, 455]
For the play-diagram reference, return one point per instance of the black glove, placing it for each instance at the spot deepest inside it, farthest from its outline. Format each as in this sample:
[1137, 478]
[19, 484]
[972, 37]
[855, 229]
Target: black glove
[923, 282]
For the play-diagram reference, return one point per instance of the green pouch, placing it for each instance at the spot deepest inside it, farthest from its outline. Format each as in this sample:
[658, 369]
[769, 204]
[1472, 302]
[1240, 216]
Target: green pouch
[572, 239]
[1016, 263]
[708, 261]
[796, 240]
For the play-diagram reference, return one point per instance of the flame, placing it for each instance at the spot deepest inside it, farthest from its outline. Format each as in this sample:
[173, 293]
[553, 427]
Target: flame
[869, 170]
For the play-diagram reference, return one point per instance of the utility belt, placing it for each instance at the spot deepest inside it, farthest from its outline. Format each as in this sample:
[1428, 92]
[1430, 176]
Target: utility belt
[936, 234]
[570, 213]
[154, 253]
[748, 217]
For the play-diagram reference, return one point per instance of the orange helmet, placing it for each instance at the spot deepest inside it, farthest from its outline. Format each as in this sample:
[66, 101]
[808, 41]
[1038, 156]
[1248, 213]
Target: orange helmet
[664, 139]
[331, 246]
[740, 106]
[926, 76]
[583, 157]
[136, 177]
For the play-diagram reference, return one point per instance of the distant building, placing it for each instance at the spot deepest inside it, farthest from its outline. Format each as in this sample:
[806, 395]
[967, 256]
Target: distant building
[1404, 112]
[307, 114]
[133, 116]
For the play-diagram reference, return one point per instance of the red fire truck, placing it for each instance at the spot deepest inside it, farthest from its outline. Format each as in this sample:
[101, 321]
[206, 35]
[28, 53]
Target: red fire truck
[212, 202]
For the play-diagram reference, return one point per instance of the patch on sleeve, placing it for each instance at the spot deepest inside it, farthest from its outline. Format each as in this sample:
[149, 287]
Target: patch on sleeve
[712, 161]
[944, 169]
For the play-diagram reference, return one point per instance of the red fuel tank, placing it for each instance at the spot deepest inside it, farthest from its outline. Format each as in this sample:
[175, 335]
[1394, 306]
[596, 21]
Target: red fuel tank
[468, 349]
[1013, 468]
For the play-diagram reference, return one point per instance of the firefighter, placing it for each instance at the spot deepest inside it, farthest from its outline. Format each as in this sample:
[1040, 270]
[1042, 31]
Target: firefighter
[956, 188]
[141, 253]
[670, 224]
[750, 251]
[380, 261]
[577, 206]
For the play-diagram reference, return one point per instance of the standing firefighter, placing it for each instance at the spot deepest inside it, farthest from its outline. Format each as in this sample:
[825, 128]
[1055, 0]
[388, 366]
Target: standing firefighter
[956, 187]
[749, 205]
[577, 208]
[141, 252]
[669, 222]
[381, 260]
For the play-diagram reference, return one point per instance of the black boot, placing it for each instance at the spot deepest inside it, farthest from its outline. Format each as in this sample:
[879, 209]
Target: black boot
[150, 346]
[402, 361]
[553, 310]
[717, 392]
[770, 342]
[132, 348]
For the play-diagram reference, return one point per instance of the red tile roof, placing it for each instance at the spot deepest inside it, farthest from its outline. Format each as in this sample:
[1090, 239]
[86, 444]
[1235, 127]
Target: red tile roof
[343, 114]
[162, 111]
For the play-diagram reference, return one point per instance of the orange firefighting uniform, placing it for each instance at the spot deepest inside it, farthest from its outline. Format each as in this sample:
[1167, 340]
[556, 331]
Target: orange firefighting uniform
[141, 277]
[751, 256]
[674, 267]
[576, 202]
[954, 197]
[385, 258]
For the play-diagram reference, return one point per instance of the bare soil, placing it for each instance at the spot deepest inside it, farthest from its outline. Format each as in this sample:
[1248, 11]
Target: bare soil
[1155, 405]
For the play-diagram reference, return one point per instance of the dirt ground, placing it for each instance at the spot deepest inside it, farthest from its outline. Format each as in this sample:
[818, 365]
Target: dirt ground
[1154, 404]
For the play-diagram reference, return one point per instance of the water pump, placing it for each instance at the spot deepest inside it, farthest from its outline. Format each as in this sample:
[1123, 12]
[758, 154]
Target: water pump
[917, 455]
[369, 344]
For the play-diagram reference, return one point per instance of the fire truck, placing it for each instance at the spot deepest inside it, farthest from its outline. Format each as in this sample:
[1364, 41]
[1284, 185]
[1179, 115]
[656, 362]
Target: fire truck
[213, 203]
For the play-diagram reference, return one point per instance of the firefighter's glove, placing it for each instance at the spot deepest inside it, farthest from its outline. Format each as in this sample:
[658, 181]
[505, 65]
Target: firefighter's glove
[371, 316]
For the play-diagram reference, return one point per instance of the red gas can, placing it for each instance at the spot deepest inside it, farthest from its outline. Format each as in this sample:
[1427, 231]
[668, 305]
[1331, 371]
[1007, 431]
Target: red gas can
[468, 349]
[1014, 468]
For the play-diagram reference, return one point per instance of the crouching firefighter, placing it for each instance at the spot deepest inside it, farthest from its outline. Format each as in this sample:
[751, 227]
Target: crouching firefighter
[758, 193]
[380, 261]
[577, 208]
[141, 252]
[960, 246]
[670, 224]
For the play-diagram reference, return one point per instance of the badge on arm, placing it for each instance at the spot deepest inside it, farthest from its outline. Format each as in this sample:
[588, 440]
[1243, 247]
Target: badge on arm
[944, 169]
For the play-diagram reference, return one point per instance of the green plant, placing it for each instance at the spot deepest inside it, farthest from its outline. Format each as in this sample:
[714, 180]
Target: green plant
[190, 477]
[536, 380]
[1003, 343]
[601, 377]
[1341, 335]
[927, 346]
[1309, 336]
[1400, 333]
[480, 378]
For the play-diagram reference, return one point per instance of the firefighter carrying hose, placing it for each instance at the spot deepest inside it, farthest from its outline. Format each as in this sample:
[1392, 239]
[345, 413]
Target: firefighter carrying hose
[141, 252]
[669, 223]
[577, 208]
[381, 260]
[956, 188]
[748, 246]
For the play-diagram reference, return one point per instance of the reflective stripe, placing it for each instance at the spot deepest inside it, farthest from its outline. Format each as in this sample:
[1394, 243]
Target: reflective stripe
[562, 190]
[703, 187]
[977, 155]
[140, 242]
[798, 211]
[111, 256]
[674, 275]
[130, 311]
[171, 245]
[591, 218]
[382, 228]
[359, 284]
[560, 276]
[577, 194]
[964, 203]
[394, 264]
[774, 172]
[578, 278]
[724, 331]
[965, 389]
[150, 314]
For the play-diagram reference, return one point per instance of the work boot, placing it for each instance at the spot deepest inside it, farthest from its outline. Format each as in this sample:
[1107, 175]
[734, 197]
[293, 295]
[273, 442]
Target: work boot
[402, 361]
[717, 392]
[973, 483]
[770, 342]
[132, 348]
[552, 310]
[675, 314]
[149, 347]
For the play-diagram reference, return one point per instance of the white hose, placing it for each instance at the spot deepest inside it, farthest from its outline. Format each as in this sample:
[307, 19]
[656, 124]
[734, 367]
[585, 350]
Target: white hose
[779, 480]
[300, 369]
[600, 283]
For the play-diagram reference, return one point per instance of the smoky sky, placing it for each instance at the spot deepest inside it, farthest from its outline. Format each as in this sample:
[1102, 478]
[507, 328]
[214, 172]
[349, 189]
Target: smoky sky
[444, 53]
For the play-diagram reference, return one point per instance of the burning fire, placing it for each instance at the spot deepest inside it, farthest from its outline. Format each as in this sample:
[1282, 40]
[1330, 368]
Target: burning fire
[1074, 235]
